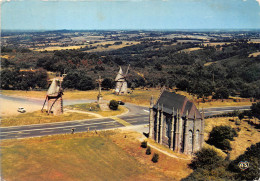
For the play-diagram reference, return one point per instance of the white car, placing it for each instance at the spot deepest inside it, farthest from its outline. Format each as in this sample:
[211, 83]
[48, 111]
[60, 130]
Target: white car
[21, 110]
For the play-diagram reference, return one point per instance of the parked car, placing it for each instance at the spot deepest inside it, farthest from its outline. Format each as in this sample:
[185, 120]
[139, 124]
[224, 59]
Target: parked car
[121, 103]
[21, 110]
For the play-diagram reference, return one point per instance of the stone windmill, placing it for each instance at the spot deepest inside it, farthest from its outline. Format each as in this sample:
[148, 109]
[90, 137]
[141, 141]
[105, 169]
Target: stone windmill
[54, 97]
[121, 84]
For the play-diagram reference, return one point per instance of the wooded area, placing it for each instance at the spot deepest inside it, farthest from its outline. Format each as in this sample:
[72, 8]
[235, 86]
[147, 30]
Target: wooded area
[222, 70]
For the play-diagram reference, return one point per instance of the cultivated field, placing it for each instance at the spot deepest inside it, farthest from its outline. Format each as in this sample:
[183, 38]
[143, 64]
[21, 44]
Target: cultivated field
[52, 48]
[190, 49]
[101, 48]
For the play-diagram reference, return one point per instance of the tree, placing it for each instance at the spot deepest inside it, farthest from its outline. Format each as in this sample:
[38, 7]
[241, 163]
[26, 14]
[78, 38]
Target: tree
[183, 84]
[155, 157]
[78, 80]
[107, 83]
[158, 66]
[85, 83]
[255, 108]
[241, 116]
[144, 144]
[221, 93]
[206, 158]
[148, 151]
[113, 104]
[220, 136]
[71, 80]
[8, 79]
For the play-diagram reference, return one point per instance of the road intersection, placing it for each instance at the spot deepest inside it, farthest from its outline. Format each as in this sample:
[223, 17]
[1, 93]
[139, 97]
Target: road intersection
[137, 115]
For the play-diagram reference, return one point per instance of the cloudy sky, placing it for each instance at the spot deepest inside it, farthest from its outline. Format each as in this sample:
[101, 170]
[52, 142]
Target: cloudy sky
[130, 14]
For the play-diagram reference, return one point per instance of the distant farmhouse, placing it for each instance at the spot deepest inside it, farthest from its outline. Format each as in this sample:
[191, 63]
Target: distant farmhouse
[176, 122]
[121, 84]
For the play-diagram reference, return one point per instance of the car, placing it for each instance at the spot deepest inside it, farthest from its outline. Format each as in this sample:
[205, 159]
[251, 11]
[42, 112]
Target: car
[21, 110]
[121, 103]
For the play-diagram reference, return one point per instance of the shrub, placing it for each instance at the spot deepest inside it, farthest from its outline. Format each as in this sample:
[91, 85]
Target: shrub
[155, 157]
[113, 104]
[148, 150]
[144, 144]
[225, 145]
[255, 108]
[220, 136]
[206, 158]
[241, 116]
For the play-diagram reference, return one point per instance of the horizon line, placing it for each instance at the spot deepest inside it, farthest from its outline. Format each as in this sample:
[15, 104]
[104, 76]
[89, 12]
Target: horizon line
[152, 29]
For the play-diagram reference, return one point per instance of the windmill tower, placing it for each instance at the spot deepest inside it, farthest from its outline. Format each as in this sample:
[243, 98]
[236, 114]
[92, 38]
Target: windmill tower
[121, 84]
[54, 97]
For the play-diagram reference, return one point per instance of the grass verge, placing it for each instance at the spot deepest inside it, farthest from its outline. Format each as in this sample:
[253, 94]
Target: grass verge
[38, 117]
[94, 107]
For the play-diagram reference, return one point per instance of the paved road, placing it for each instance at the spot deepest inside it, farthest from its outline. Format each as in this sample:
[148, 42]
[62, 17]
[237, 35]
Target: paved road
[137, 115]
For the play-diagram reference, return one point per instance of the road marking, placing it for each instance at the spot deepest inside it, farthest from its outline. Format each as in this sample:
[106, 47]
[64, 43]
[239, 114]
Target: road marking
[134, 121]
[146, 111]
[46, 131]
[123, 122]
[70, 126]
[129, 119]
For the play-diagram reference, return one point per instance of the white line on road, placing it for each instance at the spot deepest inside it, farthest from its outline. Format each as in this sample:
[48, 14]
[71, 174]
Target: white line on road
[46, 131]
[59, 127]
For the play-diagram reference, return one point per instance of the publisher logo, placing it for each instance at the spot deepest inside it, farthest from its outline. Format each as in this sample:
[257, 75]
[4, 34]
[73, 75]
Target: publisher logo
[243, 165]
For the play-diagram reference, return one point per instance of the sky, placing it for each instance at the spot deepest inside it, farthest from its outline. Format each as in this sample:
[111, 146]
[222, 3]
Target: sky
[129, 14]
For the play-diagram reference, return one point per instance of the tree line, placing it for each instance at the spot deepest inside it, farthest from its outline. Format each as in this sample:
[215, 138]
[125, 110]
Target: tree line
[221, 71]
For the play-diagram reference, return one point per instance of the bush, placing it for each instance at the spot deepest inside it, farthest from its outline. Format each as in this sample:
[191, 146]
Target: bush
[144, 144]
[155, 158]
[107, 83]
[241, 116]
[221, 93]
[148, 150]
[225, 145]
[220, 136]
[255, 108]
[113, 104]
[206, 158]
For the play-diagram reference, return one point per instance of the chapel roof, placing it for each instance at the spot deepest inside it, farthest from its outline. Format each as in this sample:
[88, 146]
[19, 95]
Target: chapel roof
[170, 100]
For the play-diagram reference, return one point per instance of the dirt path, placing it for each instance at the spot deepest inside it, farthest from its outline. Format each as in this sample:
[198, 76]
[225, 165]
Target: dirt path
[144, 129]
